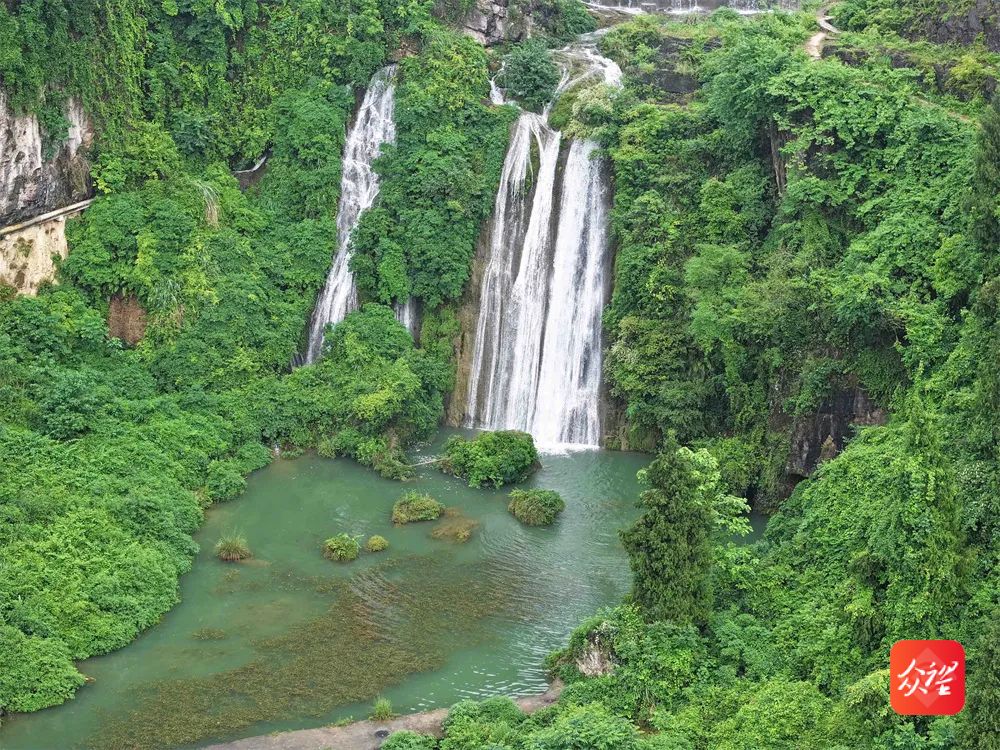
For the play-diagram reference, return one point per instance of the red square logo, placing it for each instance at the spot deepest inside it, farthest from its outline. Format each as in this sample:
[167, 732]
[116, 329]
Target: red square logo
[927, 678]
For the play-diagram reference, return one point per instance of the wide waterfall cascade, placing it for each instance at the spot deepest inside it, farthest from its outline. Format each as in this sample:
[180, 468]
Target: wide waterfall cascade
[373, 127]
[536, 358]
[507, 347]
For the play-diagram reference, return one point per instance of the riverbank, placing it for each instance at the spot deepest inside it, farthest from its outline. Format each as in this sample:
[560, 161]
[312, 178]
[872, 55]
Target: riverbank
[369, 735]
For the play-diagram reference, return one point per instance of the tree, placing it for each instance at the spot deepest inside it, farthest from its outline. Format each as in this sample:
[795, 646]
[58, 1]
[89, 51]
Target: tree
[980, 727]
[529, 75]
[669, 547]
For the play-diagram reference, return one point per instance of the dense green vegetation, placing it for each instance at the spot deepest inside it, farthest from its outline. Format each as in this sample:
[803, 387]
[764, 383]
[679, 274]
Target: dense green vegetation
[376, 543]
[529, 75]
[415, 506]
[342, 548]
[494, 458]
[536, 507]
[794, 231]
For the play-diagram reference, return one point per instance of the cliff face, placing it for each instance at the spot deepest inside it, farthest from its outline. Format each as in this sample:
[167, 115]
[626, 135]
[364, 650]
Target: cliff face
[489, 22]
[981, 18]
[30, 184]
[28, 256]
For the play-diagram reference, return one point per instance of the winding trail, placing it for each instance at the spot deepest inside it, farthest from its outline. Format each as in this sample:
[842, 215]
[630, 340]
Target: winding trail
[361, 735]
[814, 47]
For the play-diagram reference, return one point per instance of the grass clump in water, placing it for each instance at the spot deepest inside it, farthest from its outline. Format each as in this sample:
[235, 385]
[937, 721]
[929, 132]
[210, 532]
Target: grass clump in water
[382, 710]
[455, 527]
[341, 548]
[377, 543]
[415, 506]
[535, 507]
[233, 547]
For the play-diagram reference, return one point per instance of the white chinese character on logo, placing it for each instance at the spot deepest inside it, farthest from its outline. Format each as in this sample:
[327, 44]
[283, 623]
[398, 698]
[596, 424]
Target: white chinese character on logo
[933, 678]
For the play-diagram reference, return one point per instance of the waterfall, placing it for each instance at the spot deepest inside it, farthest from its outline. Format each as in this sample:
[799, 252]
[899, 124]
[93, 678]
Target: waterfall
[536, 357]
[567, 405]
[373, 127]
[406, 313]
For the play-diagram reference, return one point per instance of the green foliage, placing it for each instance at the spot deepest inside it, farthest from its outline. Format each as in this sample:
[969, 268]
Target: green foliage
[382, 709]
[376, 543]
[560, 21]
[495, 458]
[415, 506]
[529, 75]
[438, 181]
[342, 548]
[669, 546]
[38, 672]
[535, 507]
[232, 547]
[407, 740]
[980, 725]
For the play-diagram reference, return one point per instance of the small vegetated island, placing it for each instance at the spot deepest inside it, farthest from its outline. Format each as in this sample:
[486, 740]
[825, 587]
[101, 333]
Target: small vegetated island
[786, 241]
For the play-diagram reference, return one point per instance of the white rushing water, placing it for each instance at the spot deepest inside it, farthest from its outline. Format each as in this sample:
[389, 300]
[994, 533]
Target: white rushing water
[536, 361]
[373, 127]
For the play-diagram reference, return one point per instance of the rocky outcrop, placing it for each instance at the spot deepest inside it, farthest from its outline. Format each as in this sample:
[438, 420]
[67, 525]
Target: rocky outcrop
[964, 25]
[29, 252]
[820, 436]
[30, 183]
[490, 22]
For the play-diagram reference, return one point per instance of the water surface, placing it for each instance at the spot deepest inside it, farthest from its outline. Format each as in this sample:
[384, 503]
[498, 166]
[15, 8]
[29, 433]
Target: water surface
[291, 640]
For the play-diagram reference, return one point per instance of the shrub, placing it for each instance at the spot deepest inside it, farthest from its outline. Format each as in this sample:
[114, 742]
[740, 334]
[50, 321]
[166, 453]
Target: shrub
[233, 547]
[38, 672]
[495, 458]
[377, 543]
[407, 740]
[415, 506]
[529, 75]
[341, 548]
[382, 710]
[535, 507]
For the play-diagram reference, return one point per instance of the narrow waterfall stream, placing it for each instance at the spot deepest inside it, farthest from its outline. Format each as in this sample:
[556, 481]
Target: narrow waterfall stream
[536, 360]
[373, 127]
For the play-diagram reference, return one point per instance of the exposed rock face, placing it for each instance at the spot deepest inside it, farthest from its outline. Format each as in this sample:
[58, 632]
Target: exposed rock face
[126, 319]
[982, 18]
[819, 437]
[28, 256]
[489, 23]
[31, 185]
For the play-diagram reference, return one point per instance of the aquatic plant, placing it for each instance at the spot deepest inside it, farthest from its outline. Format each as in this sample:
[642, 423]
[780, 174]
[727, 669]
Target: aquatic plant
[493, 458]
[455, 527]
[415, 506]
[342, 548]
[233, 547]
[376, 543]
[382, 709]
[535, 507]
[208, 634]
